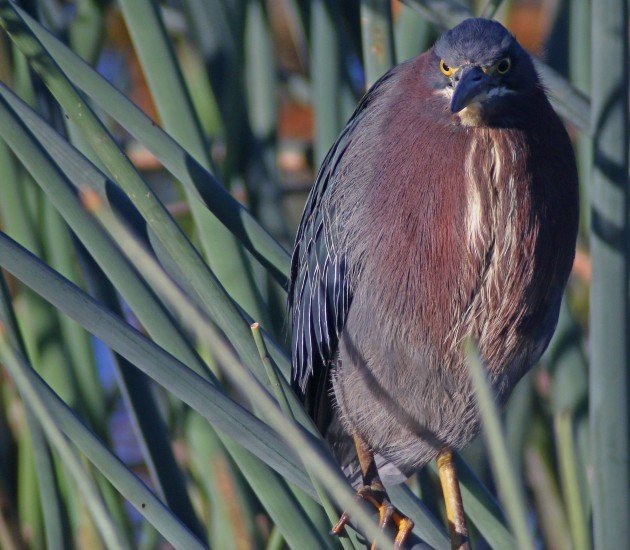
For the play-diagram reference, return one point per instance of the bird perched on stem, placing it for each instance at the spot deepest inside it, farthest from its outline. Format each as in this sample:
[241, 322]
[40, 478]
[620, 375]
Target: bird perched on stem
[446, 209]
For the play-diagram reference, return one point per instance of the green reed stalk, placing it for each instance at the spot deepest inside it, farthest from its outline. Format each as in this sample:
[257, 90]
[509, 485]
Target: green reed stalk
[610, 256]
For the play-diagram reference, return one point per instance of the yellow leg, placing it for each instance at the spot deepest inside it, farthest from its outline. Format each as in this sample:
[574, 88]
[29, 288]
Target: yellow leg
[453, 500]
[373, 492]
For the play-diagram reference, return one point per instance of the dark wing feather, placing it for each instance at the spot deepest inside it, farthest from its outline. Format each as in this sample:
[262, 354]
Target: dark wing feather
[319, 290]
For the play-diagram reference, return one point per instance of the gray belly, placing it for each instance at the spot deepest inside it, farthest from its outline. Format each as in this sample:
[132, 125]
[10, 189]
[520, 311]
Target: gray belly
[409, 402]
[406, 407]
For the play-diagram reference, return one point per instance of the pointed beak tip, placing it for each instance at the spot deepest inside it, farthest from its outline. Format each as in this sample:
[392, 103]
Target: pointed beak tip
[458, 103]
[471, 86]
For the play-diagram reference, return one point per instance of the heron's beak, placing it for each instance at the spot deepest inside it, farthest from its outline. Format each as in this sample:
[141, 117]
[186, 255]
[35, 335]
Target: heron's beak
[471, 84]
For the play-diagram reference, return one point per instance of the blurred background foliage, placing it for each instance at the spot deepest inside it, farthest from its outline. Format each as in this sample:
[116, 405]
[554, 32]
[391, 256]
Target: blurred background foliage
[167, 440]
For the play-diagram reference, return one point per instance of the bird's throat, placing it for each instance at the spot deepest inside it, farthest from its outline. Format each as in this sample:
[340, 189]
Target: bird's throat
[472, 115]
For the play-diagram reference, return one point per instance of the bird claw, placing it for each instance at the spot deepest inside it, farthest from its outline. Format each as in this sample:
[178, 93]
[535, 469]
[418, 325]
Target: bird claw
[387, 514]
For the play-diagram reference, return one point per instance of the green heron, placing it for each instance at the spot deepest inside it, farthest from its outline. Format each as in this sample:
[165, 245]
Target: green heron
[446, 209]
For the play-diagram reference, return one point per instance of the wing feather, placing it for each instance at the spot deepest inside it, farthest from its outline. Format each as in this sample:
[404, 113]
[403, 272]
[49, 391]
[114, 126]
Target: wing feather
[320, 294]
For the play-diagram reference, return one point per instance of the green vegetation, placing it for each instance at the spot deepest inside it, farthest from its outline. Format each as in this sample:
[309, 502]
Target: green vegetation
[154, 160]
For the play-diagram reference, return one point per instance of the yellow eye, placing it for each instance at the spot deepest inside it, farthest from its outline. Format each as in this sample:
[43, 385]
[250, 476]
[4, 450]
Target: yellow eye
[504, 65]
[446, 70]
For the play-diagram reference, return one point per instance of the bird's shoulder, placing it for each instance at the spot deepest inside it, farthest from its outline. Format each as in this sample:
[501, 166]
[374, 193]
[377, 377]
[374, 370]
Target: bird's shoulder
[319, 291]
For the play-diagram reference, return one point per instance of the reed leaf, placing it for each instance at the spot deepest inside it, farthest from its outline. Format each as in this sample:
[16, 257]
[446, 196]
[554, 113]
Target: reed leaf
[491, 8]
[146, 419]
[610, 256]
[176, 112]
[25, 377]
[222, 412]
[570, 481]
[207, 288]
[57, 535]
[325, 76]
[278, 391]
[510, 490]
[54, 415]
[59, 189]
[60, 252]
[270, 489]
[377, 37]
[184, 383]
[174, 157]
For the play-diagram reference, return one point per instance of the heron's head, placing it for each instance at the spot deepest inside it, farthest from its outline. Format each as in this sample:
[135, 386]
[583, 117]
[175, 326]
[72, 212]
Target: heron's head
[483, 73]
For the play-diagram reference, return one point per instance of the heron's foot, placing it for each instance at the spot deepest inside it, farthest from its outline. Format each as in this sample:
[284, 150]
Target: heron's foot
[388, 515]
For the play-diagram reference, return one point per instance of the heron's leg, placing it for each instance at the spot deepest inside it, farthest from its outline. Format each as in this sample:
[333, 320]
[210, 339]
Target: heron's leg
[453, 500]
[373, 491]
[368, 465]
